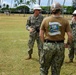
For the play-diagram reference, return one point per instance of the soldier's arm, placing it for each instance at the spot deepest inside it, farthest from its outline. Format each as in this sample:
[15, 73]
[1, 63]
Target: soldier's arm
[28, 25]
[41, 34]
[69, 32]
[70, 37]
[42, 30]
[71, 25]
[69, 40]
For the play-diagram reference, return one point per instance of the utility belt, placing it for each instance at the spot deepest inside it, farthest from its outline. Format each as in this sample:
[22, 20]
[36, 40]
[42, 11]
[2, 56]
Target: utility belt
[51, 41]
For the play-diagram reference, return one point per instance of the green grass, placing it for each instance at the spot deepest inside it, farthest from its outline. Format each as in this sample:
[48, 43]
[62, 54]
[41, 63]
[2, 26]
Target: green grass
[13, 49]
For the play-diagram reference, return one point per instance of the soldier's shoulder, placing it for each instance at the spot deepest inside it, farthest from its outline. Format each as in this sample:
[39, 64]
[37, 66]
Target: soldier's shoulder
[41, 15]
[65, 20]
[47, 17]
[31, 16]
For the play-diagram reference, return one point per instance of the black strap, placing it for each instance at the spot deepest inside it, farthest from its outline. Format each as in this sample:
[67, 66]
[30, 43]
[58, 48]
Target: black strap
[51, 41]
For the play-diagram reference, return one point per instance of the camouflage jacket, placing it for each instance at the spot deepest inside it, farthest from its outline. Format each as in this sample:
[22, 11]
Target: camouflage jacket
[34, 22]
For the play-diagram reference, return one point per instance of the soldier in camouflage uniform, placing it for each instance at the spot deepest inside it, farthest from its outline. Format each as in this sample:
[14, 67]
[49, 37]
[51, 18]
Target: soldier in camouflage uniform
[72, 49]
[52, 32]
[33, 26]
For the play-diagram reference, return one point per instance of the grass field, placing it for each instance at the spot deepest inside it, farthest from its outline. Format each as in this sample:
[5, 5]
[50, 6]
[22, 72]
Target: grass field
[13, 49]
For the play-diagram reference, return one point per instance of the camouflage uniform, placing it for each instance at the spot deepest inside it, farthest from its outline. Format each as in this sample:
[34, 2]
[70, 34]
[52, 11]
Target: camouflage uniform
[72, 49]
[35, 23]
[52, 51]
[52, 32]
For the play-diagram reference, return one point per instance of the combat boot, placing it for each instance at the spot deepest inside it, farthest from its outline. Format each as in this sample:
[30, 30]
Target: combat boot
[29, 57]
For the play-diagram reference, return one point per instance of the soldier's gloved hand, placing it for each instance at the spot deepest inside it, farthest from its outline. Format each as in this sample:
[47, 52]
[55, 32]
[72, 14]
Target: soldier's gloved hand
[31, 29]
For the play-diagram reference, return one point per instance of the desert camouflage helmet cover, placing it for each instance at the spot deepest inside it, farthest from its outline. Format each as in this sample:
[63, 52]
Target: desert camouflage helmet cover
[55, 6]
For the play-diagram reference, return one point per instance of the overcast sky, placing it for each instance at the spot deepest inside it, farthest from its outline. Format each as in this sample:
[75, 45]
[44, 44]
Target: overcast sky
[43, 2]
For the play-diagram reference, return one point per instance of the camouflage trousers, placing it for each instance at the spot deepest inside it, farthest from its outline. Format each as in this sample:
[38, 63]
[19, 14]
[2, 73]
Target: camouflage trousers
[72, 50]
[52, 56]
[32, 38]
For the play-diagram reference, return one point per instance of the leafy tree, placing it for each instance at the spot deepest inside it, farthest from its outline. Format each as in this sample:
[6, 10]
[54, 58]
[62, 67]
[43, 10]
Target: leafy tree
[16, 1]
[19, 1]
[28, 3]
[0, 6]
[15, 5]
[33, 1]
[7, 6]
[21, 8]
[4, 5]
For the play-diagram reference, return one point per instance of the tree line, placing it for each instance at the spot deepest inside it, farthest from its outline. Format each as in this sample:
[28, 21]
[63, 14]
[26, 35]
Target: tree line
[25, 8]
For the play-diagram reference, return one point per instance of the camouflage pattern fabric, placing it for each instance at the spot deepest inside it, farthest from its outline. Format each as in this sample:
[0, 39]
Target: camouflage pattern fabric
[32, 41]
[35, 23]
[73, 26]
[51, 55]
[72, 49]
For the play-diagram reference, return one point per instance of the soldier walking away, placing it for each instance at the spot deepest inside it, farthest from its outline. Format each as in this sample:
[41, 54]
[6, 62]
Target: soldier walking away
[52, 32]
[72, 49]
[33, 26]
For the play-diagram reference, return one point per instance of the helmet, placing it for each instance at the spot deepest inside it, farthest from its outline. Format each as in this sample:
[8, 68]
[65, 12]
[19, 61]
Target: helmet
[55, 6]
[36, 6]
[74, 13]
